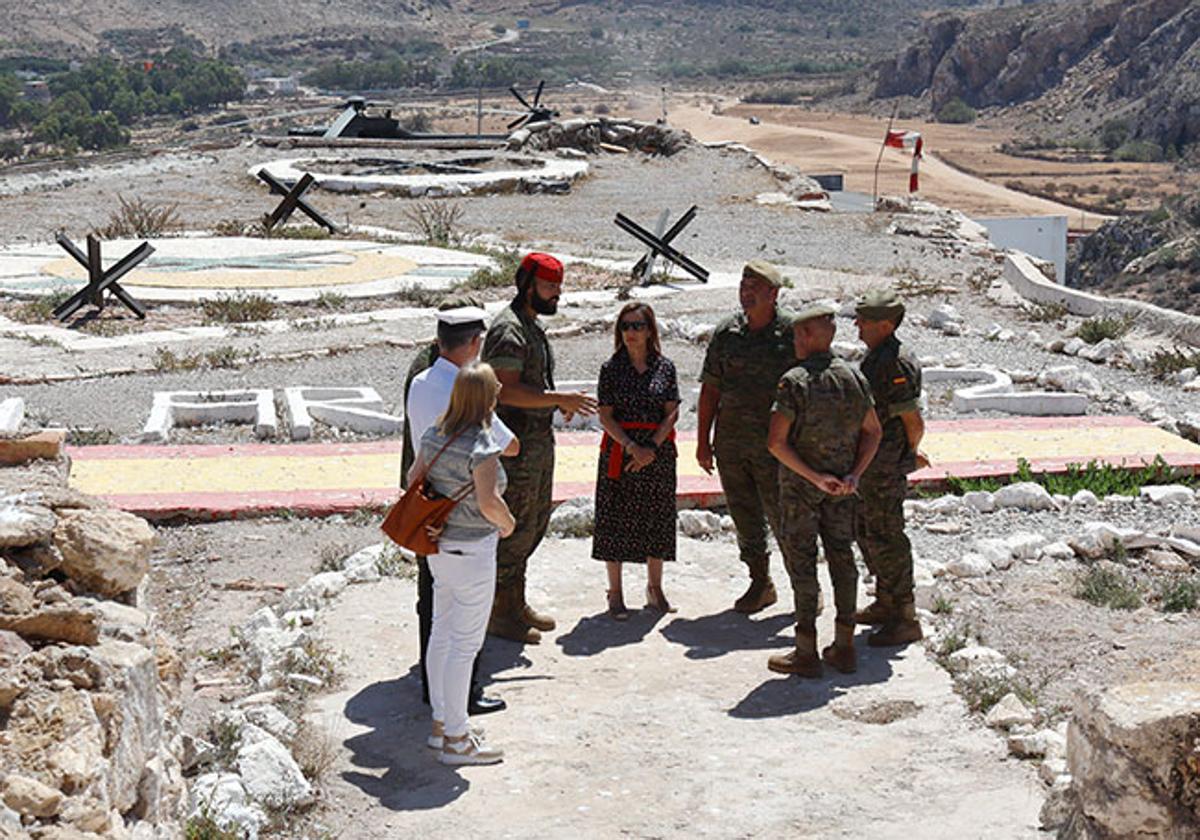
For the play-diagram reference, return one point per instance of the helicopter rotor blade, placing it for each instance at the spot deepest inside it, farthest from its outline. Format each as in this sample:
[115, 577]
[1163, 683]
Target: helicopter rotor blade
[519, 121]
[513, 90]
[537, 97]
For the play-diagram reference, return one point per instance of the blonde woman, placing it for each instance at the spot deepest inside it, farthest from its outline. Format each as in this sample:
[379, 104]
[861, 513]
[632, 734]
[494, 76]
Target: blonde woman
[463, 453]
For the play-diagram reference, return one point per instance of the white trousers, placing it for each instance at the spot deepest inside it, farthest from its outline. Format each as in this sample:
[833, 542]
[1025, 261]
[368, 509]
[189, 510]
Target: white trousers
[464, 586]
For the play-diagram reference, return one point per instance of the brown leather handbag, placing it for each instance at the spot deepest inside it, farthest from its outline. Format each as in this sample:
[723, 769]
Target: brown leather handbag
[419, 509]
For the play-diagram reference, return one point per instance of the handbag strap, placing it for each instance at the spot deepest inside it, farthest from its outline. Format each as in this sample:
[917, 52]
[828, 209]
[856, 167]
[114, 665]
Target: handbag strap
[418, 480]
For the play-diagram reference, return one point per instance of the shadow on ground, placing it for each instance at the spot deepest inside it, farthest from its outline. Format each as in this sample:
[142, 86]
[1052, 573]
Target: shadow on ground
[781, 695]
[715, 635]
[599, 632]
[413, 780]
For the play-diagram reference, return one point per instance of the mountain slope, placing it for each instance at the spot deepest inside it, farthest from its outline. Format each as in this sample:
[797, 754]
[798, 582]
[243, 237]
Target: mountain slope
[1080, 63]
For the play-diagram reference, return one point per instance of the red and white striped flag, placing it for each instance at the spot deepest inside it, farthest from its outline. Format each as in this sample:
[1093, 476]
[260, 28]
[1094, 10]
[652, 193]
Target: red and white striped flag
[900, 139]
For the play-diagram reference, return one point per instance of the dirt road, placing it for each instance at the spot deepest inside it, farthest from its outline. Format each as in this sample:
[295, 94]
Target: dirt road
[662, 726]
[833, 149]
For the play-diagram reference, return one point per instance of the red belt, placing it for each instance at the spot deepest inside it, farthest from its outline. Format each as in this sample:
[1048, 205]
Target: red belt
[616, 452]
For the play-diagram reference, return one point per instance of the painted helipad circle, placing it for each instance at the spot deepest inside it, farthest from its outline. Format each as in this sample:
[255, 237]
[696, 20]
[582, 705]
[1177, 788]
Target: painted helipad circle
[192, 268]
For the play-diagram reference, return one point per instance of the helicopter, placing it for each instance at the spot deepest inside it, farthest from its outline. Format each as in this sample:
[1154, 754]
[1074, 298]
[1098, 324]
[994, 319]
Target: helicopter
[357, 121]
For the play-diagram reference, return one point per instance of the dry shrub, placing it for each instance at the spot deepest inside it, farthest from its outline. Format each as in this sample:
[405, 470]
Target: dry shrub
[138, 218]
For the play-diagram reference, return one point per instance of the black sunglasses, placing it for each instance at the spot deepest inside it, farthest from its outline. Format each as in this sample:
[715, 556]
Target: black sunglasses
[626, 326]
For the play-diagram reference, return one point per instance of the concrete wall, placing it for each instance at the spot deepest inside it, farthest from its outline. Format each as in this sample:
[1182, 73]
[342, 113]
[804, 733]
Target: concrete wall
[1031, 284]
[1043, 236]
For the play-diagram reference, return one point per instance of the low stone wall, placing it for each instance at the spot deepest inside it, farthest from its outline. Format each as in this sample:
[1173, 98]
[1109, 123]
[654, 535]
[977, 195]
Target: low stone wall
[1032, 284]
[89, 690]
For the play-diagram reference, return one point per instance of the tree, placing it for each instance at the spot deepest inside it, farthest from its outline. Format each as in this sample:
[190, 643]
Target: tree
[10, 92]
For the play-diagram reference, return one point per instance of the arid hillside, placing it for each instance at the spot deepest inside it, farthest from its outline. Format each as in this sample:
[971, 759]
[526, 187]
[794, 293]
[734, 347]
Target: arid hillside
[1073, 69]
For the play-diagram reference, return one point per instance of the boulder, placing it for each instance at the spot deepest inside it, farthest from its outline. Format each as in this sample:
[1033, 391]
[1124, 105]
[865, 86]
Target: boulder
[1167, 494]
[315, 592]
[980, 500]
[222, 798]
[270, 774]
[969, 565]
[944, 505]
[1167, 561]
[574, 518]
[1100, 538]
[43, 445]
[73, 623]
[1058, 551]
[108, 551]
[1029, 744]
[699, 524]
[1135, 761]
[23, 525]
[995, 550]
[1024, 495]
[941, 315]
[973, 658]
[1025, 545]
[134, 723]
[1072, 380]
[1084, 498]
[363, 565]
[29, 797]
[1009, 712]
[270, 719]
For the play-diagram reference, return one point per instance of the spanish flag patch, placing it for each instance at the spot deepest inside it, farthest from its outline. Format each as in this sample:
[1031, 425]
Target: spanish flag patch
[899, 380]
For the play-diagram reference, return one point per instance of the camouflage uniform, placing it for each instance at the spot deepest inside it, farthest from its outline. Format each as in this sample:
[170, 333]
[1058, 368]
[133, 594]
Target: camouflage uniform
[515, 341]
[745, 366]
[826, 401]
[895, 378]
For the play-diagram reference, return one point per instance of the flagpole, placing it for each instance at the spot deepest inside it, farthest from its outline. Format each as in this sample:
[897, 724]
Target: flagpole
[882, 146]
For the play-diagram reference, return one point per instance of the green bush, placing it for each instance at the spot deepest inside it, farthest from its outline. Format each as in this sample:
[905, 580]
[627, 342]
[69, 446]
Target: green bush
[1180, 595]
[1165, 362]
[1113, 133]
[956, 111]
[1103, 586]
[777, 95]
[1139, 151]
[1095, 330]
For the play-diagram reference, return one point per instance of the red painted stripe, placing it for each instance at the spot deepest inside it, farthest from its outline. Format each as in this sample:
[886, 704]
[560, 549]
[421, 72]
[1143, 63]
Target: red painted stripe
[1004, 424]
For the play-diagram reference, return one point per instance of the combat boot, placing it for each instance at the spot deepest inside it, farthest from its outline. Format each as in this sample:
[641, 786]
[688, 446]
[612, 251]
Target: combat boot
[900, 630]
[506, 622]
[840, 654]
[802, 659]
[879, 612]
[761, 593]
[533, 618]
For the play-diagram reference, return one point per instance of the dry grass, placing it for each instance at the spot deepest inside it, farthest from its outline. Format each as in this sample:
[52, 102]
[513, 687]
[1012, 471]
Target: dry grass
[138, 218]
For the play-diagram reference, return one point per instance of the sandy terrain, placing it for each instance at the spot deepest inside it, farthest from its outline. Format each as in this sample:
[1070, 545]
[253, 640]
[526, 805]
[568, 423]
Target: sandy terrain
[851, 146]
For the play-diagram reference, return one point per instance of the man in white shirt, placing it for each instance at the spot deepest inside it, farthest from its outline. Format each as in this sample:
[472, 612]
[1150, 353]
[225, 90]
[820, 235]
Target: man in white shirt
[459, 338]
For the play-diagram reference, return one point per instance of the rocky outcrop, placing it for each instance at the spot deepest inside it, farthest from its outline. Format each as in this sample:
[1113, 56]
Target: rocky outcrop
[1134, 758]
[1152, 256]
[1142, 58]
[88, 689]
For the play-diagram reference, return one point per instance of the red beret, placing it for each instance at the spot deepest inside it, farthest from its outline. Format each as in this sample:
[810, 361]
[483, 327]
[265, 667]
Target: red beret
[543, 267]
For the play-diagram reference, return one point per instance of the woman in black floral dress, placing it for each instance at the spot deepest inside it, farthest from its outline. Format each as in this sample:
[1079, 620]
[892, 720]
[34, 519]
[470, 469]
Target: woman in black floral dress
[635, 487]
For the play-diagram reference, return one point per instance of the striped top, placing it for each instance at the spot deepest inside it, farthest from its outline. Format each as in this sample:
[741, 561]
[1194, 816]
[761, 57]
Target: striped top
[453, 471]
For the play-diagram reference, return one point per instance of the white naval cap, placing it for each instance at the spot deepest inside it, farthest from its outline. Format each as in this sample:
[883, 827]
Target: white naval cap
[461, 316]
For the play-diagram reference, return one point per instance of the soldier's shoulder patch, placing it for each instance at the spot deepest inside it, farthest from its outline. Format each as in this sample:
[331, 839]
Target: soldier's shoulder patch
[899, 380]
